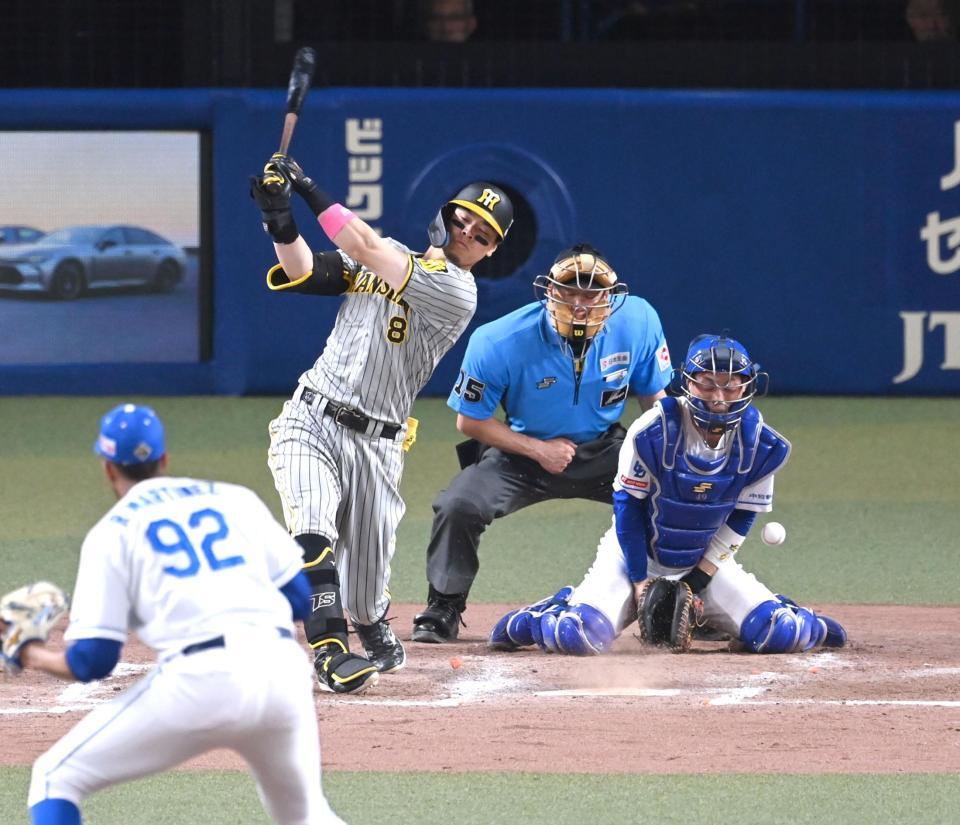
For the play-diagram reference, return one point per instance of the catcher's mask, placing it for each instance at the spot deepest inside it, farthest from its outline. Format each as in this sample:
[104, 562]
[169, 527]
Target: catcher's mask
[725, 356]
[130, 434]
[579, 293]
[487, 200]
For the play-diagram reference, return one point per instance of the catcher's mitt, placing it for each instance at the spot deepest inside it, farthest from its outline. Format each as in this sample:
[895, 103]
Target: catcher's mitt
[28, 614]
[667, 612]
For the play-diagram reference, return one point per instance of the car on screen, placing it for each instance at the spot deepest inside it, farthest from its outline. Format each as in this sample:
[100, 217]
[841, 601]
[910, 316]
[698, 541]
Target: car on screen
[70, 261]
[19, 234]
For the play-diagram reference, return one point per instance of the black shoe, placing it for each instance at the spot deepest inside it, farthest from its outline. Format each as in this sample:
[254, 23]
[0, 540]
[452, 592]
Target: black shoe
[382, 646]
[340, 672]
[440, 622]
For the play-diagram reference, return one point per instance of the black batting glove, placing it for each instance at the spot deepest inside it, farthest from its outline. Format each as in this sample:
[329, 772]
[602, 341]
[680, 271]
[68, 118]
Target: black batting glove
[271, 191]
[304, 186]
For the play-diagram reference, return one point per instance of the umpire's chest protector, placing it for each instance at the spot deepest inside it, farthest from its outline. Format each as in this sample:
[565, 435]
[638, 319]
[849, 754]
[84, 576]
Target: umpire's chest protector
[692, 497]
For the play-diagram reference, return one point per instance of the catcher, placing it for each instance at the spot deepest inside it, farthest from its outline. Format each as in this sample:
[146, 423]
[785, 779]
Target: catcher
[693, 473]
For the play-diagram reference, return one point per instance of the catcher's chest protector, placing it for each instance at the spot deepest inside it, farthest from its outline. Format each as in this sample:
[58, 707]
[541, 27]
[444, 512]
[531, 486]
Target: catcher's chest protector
[690, 501]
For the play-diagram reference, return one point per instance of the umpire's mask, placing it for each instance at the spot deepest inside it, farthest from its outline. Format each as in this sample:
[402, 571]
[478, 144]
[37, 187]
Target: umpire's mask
[579, 293]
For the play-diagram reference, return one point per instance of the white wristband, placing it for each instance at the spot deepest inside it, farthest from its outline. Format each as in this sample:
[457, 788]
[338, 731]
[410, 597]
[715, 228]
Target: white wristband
[723, 545]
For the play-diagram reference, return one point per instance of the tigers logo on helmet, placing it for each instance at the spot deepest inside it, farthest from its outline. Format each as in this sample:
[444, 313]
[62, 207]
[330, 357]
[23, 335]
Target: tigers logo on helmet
[486, 200]
[580, 292]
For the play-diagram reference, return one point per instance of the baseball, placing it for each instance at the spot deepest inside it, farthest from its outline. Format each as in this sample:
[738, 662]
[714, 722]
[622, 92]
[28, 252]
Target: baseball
[773, 533]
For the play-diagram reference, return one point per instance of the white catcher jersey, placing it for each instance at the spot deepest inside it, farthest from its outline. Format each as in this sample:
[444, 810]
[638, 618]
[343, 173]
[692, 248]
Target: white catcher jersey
[180, 560]
[633, 477]
[381, 352]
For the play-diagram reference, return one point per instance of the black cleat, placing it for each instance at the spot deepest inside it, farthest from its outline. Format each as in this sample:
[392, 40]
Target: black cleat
[339, 672]
[440, 621]
[382, 646]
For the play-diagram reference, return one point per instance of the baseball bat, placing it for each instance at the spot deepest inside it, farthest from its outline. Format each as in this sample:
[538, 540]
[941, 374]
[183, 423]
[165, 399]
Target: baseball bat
[301, 76]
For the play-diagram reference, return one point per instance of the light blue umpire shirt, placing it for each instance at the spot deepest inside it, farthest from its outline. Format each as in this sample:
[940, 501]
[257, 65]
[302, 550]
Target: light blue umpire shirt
[518, 361]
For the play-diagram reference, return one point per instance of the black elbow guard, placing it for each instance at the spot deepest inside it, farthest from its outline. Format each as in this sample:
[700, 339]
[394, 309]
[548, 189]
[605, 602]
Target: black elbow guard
[328, 277]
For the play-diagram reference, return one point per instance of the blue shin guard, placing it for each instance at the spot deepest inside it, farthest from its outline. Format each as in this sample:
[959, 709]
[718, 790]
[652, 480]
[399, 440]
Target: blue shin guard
[499, 640]
[55, 812]
[522, 627]
[835, 634]
[582, 630]
[782, 626]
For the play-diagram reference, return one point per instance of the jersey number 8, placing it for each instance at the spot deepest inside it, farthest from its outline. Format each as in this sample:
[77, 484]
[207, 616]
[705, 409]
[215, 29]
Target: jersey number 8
[397, 329]
[169, 538]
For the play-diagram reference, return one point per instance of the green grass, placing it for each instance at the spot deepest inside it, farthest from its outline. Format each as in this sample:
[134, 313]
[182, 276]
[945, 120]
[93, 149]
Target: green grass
[869, 496]
[393, 799]
[872, 510]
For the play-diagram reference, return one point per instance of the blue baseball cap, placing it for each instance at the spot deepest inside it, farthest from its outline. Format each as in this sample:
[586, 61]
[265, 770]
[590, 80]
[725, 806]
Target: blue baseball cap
[130, 434]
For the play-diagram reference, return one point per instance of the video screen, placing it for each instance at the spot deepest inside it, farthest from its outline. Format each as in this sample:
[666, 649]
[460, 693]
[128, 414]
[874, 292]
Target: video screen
[101, 248]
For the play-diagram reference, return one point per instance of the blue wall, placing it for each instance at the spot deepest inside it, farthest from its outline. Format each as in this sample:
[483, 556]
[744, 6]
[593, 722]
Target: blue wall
[793, 219]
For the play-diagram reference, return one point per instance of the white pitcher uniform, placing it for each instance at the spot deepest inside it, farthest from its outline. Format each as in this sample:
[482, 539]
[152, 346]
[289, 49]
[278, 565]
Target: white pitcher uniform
[194, 568]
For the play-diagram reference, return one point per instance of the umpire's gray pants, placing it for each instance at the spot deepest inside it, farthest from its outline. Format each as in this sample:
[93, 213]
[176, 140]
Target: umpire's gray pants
[499, 484]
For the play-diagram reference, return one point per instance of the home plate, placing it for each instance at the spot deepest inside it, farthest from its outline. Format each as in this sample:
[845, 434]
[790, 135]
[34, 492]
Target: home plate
[610, 691]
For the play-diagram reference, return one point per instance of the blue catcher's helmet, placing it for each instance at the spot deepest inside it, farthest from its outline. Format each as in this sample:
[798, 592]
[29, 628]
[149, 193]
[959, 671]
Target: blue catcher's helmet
[726, 356]
[130, 434]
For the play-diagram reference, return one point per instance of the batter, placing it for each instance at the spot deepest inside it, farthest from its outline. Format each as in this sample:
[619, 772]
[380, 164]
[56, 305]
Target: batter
[336, 449]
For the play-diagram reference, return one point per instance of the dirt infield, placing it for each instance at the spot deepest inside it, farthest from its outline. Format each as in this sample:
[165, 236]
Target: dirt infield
[889, 702]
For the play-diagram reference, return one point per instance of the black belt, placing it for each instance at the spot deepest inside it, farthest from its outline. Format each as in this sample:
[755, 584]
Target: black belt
[219, 641]
[347, 416]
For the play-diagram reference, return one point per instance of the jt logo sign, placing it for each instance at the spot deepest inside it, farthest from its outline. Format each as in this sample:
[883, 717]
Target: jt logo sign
[914, 326]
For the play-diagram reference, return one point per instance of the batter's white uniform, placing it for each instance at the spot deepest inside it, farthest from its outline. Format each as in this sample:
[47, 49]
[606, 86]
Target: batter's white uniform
[343, 484]
[733, 592]
[181, 562]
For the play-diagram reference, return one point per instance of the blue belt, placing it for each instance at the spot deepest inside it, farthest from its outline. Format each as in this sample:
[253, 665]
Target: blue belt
[218, 641]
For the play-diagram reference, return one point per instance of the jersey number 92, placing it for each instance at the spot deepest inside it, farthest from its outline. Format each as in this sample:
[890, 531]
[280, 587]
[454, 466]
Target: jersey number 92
[208, 526]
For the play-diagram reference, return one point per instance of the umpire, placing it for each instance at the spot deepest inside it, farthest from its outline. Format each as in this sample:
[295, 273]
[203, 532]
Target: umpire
[562, 368]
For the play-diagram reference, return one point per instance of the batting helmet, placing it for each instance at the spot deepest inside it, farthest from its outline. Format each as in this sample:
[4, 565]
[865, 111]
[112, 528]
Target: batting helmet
[487, 200]
[130, 435]
[726, 356]
[579, 293]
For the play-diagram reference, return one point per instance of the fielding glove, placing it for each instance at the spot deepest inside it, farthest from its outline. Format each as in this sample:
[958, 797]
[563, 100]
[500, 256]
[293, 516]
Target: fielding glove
[28, 614]
[667, 612]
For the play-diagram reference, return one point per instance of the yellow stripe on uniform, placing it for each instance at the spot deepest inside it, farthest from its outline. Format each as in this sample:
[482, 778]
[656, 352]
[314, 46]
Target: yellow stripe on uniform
[357, 675]
[340, 680]
[278, 286]
[331, 641]
[320, 558]
[406, 278]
